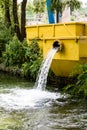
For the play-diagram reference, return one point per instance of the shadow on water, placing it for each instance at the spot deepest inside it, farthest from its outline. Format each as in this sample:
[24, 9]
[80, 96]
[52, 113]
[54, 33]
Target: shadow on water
[54, 112]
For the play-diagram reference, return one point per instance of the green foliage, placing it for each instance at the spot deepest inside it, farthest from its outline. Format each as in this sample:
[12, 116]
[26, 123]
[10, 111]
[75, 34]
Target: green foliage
[59, 5]
[14, 53]
[33, 58]
[73, 4]
[32, 51]
[30, 70]
[79, 88]
[5, 35]
[6, 32]
[29, 8]
[28, 58]
[39, 6]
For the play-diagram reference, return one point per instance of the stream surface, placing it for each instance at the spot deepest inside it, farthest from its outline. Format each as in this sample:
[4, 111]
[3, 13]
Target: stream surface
[23, 107]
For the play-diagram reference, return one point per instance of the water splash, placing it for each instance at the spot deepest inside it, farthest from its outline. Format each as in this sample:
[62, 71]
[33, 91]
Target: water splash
[44, 69]
[18, 98]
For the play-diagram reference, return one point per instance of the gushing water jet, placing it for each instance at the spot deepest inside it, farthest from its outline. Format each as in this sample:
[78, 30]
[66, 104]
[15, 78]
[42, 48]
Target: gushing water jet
[45, 66]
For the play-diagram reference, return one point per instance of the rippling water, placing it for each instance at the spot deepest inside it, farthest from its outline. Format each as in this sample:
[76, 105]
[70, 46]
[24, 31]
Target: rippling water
[25, 108]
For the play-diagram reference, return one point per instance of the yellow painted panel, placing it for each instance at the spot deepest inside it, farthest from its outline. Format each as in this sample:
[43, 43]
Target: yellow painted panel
[55, 30]
[86, 29]
[65, 68]
[40, 43]
[83, 49]
[32, 32]
[65, 30]
[70, 50]
[80, 29]
[46, 31]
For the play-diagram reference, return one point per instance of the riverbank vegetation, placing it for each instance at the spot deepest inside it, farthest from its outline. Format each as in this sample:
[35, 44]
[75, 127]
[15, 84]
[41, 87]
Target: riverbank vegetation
[23, 57]
[78, 89]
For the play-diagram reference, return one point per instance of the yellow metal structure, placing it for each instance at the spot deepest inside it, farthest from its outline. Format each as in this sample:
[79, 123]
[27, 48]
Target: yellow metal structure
[72, 35]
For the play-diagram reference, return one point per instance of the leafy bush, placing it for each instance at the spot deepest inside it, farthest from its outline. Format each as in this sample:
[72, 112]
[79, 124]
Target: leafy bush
[27, 57]
[32, 51]
[79, 89]
[5, 36]
[30, 70]
[33, 59]
[14, 53]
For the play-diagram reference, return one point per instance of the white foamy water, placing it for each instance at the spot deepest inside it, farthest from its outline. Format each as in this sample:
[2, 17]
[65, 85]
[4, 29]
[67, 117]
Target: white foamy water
[18, 98]
[44, 69]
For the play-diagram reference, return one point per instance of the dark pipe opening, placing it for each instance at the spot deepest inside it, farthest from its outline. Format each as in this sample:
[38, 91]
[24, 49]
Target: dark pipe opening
[56, 44]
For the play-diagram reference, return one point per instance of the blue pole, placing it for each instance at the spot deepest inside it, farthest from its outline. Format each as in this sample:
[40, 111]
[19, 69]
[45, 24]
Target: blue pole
[50, 13]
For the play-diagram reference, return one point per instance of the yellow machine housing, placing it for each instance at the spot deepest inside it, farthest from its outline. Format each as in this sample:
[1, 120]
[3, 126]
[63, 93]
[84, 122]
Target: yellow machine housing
[72, 36]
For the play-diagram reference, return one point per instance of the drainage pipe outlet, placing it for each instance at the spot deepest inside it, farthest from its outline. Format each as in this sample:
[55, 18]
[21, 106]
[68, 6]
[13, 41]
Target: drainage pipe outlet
[57, 44]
